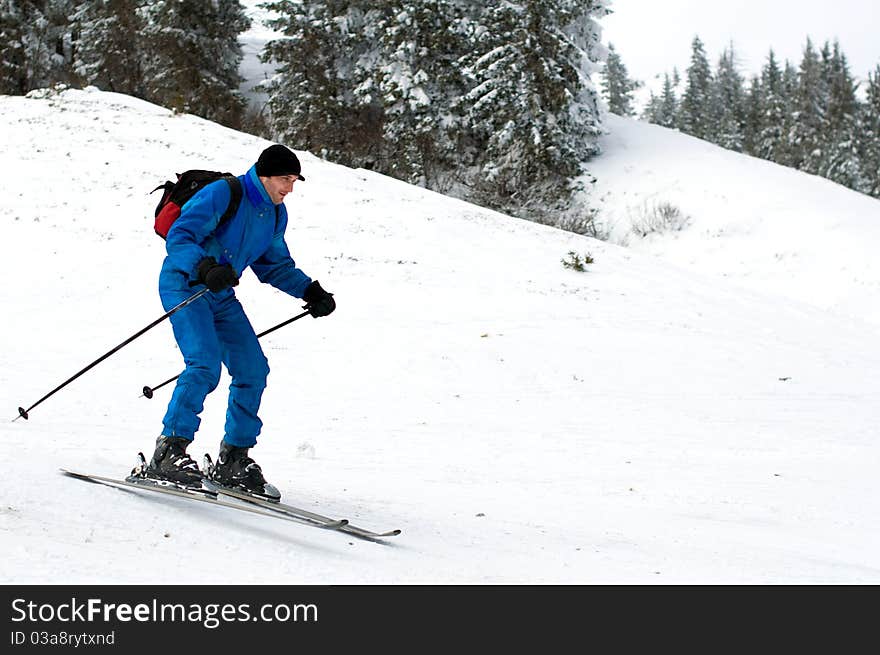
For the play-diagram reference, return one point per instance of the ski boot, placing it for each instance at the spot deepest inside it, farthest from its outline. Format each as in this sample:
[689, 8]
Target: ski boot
[170, 463]
[236, 471]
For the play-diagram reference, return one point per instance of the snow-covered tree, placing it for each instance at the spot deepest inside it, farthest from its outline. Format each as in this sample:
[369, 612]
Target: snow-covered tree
[35, 43]
[419, 79]
[841, 154]
[728, 103]
[311, 96]
[663, 109]
[695, 109]
[13, 48]
[771, 142]
[809, 117]
[753, 112]
[806, 136]
[617, 87]
[194, 56]
[668, 103]
[531, 100]
[462, 97]
[109, 38]
[869, 137]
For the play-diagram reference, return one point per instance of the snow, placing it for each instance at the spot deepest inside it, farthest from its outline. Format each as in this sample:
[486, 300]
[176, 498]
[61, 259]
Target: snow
[252, 41]
[762, 225]
[692, 409]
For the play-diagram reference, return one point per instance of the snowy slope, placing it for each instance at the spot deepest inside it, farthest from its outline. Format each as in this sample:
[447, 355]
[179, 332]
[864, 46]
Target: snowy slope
[764, 226]
[641, 422]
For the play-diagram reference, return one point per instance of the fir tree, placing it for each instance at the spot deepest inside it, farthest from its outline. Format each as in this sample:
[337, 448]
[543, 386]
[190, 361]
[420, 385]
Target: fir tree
[651, 110]
[662, 109]
[194, 57]
[108, 54]
[35, 44]
[694, 115]
[771, 141]
[840, 162]
[457, 96]
[728, 100]
[668, 104]
[62, 39]
[789, 80]
[806, 136]
[13, 48]
[420, 72]
[753, 117]
[313, 106]
[869, 137]
[617, 86]
[531, 101]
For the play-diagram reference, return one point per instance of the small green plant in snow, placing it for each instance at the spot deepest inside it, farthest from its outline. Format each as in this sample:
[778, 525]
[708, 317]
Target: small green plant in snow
[575, 262]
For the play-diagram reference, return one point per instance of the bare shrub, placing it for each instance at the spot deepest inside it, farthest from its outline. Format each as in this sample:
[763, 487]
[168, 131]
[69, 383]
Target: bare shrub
[658, 218]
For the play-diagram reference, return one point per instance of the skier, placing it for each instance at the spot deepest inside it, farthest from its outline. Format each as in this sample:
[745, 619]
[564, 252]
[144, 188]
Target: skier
[215, 329]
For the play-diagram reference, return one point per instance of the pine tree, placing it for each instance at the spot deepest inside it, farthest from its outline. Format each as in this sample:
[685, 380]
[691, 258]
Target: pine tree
[194, 57]
[668, 104]
[313, 106]
[869, 137]
[109, 37]
[13, 54]
[806, 136]
[617, 87]
[35, 44]
[422, 45]
[453, 95]
[651, 110]
[728, 100]
[662, 109]
[694, 115]
[531, 102]
[753, 117]
[789, 80]
[771, 143]
[840, 162]
[62, 39]
[381, 76]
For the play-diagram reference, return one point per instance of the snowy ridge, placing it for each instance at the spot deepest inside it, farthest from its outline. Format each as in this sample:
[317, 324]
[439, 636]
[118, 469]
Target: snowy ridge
[521, 422]
[762, 225]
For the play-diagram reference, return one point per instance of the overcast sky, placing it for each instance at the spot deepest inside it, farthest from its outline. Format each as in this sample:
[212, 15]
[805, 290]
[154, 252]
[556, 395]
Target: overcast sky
[652, 36]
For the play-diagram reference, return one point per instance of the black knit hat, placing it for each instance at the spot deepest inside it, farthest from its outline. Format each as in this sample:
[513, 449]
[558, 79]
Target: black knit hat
[278, 160]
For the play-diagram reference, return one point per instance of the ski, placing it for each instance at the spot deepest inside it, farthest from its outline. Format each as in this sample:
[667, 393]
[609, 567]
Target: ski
[294, 512]
[272, 503]
[203, 495]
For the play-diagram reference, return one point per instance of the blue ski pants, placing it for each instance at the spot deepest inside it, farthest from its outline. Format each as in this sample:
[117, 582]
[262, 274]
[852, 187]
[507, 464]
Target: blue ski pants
[213, 330]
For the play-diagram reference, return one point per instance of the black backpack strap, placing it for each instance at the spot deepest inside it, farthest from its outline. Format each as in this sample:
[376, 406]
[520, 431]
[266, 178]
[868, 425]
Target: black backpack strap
[166, 193]
[168, 185]
[234, 200]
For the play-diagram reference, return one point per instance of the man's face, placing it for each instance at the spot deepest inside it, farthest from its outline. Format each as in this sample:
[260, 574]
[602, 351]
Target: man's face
[278, 186]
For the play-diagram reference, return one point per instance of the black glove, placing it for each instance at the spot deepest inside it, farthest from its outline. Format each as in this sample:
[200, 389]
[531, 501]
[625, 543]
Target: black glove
[318, 301]
[215, 276]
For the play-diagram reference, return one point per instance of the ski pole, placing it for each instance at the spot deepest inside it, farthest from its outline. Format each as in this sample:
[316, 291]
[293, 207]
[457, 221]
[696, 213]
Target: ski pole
[23, 413]
[148, 391]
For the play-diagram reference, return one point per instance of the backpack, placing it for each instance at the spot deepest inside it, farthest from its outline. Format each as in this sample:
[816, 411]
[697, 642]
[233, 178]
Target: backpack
[176, 195]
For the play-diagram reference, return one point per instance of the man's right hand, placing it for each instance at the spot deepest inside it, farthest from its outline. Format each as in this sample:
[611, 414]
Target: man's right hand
[216, 276]
[318, 302]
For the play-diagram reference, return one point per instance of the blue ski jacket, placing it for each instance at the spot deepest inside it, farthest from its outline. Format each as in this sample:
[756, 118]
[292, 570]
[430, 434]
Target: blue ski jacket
[253, 237]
